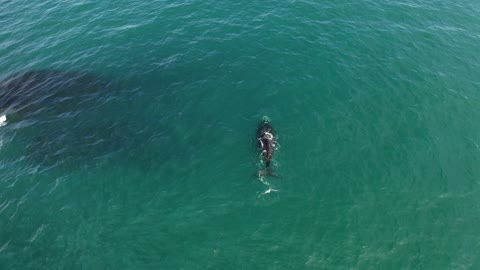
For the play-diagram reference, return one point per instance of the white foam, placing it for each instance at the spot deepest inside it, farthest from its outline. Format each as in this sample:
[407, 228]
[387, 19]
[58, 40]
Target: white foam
[267, 184]
[3, 120]
[270, 190]
[262, 179]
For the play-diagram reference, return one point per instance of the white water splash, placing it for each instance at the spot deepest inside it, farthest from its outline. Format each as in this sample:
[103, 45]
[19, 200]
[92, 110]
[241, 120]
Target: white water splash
[267, 184]
[3, 120]
[270, 190]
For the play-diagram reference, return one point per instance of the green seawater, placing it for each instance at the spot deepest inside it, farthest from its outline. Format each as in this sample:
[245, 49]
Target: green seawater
[149, 161]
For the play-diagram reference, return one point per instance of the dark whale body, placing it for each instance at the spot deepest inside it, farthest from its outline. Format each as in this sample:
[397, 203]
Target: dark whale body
[266, 138]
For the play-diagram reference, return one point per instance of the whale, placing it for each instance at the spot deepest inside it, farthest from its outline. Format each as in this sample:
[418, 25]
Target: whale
[266, 138]
[55, 117]
[30, 91]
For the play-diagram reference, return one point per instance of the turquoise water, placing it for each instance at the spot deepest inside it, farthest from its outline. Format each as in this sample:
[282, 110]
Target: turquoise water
[134, 145]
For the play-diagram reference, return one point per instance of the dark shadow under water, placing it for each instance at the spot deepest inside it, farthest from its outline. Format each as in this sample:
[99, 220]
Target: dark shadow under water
[77, 119]
[32, 92]
[63, 117]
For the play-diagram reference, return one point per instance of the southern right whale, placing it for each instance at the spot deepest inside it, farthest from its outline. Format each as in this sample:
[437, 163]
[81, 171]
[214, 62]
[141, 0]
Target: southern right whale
[38, 90]
[266, 138]
[58, 116]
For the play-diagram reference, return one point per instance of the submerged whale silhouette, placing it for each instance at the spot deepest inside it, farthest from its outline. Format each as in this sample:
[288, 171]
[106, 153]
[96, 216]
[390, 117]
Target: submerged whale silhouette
[56, 115]
[33, 90]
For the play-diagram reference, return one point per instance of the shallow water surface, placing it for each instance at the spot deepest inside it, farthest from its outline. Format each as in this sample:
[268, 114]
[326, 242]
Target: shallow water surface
[130, 134]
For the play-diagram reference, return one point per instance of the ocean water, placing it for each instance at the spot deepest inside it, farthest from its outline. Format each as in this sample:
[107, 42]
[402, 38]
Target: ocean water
[130, 134]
